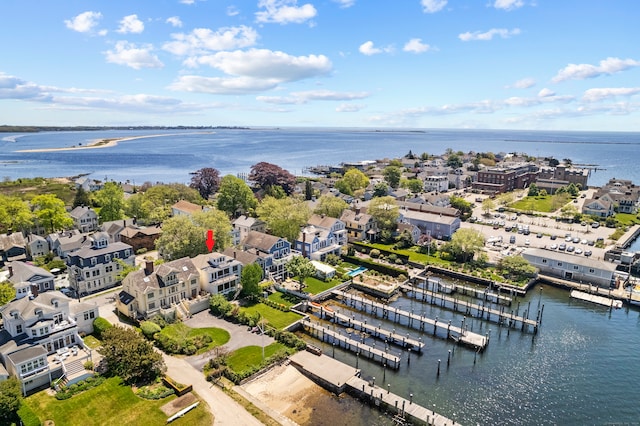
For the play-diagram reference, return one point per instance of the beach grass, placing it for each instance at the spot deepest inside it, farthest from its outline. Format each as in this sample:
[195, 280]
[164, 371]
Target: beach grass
[103, 405]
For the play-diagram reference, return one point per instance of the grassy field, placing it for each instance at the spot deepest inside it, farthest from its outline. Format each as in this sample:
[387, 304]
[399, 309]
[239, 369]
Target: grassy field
[413, 254]
[276, 318]
[111, 402]
[92, 342]
[27, 188]
[314, 285]
[285, 299]
[250, 356]
[179, 331]
[627, 219]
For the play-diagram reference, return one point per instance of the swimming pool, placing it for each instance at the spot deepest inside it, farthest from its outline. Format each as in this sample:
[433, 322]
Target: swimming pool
[356, 271]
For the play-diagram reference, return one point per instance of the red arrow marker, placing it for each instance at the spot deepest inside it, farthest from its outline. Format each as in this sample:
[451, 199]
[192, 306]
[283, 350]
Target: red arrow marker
[210, 241]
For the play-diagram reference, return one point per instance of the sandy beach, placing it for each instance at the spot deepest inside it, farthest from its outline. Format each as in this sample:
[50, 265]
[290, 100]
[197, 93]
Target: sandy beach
[108, 143]
[286, 390]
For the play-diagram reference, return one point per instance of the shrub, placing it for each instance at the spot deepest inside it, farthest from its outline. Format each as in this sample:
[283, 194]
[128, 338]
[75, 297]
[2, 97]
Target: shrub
[88, 365]
[156, 391]
[149, 329]
[375, 253]
[100, 325]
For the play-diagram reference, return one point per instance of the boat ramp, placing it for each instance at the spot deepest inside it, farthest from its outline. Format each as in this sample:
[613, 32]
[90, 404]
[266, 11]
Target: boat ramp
[594, 298]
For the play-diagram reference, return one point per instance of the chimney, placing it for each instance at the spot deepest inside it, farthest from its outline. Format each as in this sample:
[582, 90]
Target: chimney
[234, 254]
[10, 271]
[148, 267]
[34, 290]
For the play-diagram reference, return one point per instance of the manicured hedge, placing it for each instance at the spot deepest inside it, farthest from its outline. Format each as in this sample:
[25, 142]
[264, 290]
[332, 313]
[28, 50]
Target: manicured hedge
[370, 264]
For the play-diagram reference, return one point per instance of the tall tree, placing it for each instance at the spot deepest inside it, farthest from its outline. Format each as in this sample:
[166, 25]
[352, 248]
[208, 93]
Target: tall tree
[181, 237]
[465, 243]
[111, 201]
[250, 279]
[302, 268]
[206, 181]
[235, 196]
[308, 190]
[392, 175]
[81, 198]
[385, 211]
[139, 207]
[10, 401]
[50, 212]
[267, 175]
[7, 292]
[15, 214]
[331, 206]
[218, 222]
[352, 180]
[284, 216]
[129, 355]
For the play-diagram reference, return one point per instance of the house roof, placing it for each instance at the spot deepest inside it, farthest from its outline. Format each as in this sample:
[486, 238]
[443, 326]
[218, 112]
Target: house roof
[79, 212]
[87, 252]
[351, 216]
[260, 240]
[428, 217]
[26, 354]
[209, 260]
[184, 269]
[322, 221]
[9, 241]
[244, 257]
[133, 231]
[27, 307]
[247, 221]
[323, 267]
[187, 207]
[23, 272]
[571, 259]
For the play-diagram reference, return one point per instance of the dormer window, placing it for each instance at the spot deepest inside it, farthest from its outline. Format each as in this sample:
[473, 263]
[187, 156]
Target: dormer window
[94, 261]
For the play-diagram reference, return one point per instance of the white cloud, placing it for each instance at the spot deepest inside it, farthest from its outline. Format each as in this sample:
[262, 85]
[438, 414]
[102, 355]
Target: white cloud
[488, 35]
[222, 86]
[545, 93]
[433, 6]
[599, 94]
[350, 108]
[508, 4]
[281, 100]
[84, 22]
[524, 83]
[203, 40]
[367, 48]
[583, 71]
[130, 24]
[132, 56]
[187, 1]
[328, 95]
[232, 11]
[345, 3]
[174, 21]
[284, 12]
[415, 45]
[268, 64]
[16, 88]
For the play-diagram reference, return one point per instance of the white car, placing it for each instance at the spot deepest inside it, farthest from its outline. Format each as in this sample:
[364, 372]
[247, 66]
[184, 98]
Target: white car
[527, 242]
[578, 250]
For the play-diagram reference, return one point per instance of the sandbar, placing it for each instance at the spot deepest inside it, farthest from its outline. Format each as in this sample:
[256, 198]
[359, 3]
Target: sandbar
[108, 142]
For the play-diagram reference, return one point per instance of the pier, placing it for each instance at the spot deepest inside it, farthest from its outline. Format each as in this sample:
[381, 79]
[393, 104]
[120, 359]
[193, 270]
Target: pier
[325, 334]
[339, 377]
[458, 334]
[375, 331]
[594, 298]
[501, 316]
[482, 294]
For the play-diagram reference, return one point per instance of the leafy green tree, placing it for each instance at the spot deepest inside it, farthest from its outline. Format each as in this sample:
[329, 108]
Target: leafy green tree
[463, 205]
[380, 189]
[396, 163]
[250, 279]
[465, 244]
[392, 175]
[454, 161]
[125, 269]
[534, 191]
[414, 185]
[139, 207]
[7, 293]
[302, 268]
[82, 198]
[50, 212]
[217, 221]
[111, 201]
[130, 356]
[234, 196]
[573, 190]
[308, 190]
[330, 206]
[284, 216]
[181, 237]
[404, 240]
[424, 156]
[266, 175]
[10, 401]
[352, 180]
[385, 211]
[516, 268]
[487, 205]
[15, 214]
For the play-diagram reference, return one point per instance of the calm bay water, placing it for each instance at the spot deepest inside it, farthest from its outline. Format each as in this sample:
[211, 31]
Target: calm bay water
[582, 368]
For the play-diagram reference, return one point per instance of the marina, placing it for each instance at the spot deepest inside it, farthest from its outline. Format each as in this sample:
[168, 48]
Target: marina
[594, 298]
[477, 293]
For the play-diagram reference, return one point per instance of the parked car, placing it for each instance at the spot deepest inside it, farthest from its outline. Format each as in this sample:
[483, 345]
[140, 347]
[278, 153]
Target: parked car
[553, 237]
[578, 250]
[587, 252]
[512, 239]
[562, 246]
[576, 240]
[539, 235]
[568, 238]
[570, 249]
[527, 242]
[595, 225]
[553, 246]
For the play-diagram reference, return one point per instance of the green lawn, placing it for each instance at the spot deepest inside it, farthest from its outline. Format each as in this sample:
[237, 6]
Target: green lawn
[92, 342]
[249, 356]
[627, 219]
[276, 318]
[111, 402]
[413, 254]
[179, 331]
[314, 286]
[285, 299]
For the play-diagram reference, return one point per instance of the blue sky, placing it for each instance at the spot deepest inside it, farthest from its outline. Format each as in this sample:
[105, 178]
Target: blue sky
[495, 64]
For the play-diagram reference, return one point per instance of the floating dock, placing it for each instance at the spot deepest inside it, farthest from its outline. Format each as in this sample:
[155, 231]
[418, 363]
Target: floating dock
[482, 294]
[458, 334]
[594, 298]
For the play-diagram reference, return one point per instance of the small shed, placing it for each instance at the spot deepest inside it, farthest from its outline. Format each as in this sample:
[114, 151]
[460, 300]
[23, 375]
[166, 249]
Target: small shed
[323, 271]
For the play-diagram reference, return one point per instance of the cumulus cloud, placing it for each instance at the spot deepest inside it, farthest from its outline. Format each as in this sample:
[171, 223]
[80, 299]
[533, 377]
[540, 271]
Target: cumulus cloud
[133, 56]
[284, 12]
[202, 40]
[488, 35]
[599, 94]
[12, 87]
[268, 64]
[232, 11]
[174, 21]
[524, 83]
[345, 3]
[508, 4]
[583, 71]
[280, 100]
[368, 48]
[130, 24]
[297, 98]
[222, 86]
[433, 6]
[350, 108]
[84, 22]
[415, 45]
[544, 93]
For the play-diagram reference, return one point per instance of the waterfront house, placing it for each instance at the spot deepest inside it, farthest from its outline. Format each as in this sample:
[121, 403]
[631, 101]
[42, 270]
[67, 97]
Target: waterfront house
[623, 194]
[30, 279]
[163, 290]
[436, 225]
[322, 236]
[412, 230]
[39, 333]
[12, 247]
[95, 267]
[571, 267]
[274, 251]
[85, 219]
[88, 184]
[219, 273]
[598, 207]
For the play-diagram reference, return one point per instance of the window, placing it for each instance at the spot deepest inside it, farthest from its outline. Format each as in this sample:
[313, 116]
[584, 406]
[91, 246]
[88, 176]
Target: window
[94, 261]
[87, 274]
[107, 258]
[150, 296]
[592, 271]
[152, 305]
[559, 263]
[575, 267]
[18, 328]
[127, 253]
[89, 315]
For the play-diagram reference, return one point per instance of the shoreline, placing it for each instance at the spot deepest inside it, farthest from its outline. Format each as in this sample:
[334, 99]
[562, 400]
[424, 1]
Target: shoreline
[109, 142]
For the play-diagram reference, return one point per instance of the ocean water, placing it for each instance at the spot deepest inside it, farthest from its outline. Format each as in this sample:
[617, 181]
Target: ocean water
[171, 157]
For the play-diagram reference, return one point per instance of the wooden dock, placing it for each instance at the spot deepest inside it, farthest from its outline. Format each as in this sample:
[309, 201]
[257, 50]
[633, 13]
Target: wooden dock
[325, 334]
[339, 377]
[458, 334]
[477, 293]
[501, 316]
[375, 331]
[594, 298]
